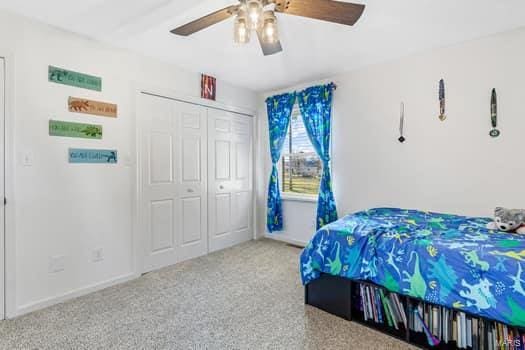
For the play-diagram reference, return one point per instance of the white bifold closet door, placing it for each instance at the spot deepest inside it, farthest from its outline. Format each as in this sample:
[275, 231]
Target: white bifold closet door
[2, 186]
[230, 179]
[174, 184]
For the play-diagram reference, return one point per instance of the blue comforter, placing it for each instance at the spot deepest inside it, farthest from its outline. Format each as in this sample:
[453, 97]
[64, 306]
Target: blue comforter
[450, 260]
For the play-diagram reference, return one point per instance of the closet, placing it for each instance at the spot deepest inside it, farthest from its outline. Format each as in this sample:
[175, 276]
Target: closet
[196, 170]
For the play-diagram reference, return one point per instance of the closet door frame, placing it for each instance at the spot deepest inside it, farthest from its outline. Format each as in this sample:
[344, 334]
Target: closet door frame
[137, 207]
[10, 308]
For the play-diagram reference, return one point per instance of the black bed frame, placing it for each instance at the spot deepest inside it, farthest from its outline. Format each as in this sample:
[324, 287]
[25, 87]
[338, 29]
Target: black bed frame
[334, 295]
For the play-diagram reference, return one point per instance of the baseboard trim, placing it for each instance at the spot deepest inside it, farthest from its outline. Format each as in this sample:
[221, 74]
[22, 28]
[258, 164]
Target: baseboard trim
[41, 304]
[276, 237]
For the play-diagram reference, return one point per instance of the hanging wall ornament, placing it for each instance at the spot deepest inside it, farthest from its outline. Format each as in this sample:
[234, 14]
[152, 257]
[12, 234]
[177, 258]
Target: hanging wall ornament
[494, 114]
[402, 123]
[442, 115]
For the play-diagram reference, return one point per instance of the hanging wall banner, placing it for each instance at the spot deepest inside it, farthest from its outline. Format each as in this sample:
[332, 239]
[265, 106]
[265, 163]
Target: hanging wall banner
[208, 87]
[402, 124]
[82, 105]
[442, 115]
[81, 155]
[70, 129]
[494, 114]
[67, 77]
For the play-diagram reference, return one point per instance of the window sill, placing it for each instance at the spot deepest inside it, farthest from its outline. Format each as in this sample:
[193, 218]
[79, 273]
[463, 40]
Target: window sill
[299, 198]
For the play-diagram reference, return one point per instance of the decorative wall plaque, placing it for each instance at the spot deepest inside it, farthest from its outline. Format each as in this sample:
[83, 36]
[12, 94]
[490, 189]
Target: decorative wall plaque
[442, 115]
[70, 129]
[76, 79]
[82, 155]
[82, 105]
[208, 87]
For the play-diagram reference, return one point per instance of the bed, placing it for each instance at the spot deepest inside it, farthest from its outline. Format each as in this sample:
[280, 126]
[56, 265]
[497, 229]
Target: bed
[449, 260]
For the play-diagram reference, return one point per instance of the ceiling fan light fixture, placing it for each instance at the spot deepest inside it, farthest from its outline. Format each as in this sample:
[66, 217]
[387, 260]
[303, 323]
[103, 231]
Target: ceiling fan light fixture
[241, 30]
[270, 32]
[250, 17]
[254, 10]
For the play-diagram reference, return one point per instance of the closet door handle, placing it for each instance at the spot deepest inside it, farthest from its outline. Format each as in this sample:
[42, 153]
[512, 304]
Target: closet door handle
[189, 190]
[221, 187]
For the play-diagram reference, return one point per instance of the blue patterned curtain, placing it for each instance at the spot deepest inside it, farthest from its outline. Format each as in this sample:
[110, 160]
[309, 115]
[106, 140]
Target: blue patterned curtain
[315, 104]
[279, 111]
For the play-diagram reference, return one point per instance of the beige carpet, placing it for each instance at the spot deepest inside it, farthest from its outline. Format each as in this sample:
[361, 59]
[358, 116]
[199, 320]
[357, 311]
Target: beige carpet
[246, 297]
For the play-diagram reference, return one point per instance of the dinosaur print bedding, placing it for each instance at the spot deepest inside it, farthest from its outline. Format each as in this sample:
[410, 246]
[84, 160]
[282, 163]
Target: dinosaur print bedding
[450, 260]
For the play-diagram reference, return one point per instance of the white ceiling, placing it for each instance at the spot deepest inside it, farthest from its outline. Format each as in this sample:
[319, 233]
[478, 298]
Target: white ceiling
[312, 49]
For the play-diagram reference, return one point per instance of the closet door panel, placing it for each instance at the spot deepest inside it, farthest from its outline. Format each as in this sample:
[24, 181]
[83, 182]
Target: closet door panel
[243, 189]
[229, 183]
[222, 214]
[162, 238]
[243, 210]
[222, 160]
[221, 124]
[161, 160]
[191, 220]
[192, 215]
[191, 149]
[157, 124]
[173, 160]
[242, 161]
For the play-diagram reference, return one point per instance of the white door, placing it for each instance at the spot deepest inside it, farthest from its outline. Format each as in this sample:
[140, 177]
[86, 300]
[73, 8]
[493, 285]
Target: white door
[192, 180]
[230, 185]
[2, 187]
[173, 156]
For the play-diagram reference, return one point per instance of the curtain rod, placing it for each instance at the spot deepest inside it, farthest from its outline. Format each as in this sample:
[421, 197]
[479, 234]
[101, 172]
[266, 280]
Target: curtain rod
[331, 83]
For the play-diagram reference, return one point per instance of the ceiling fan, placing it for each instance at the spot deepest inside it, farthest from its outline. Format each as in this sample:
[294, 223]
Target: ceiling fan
[259, 16]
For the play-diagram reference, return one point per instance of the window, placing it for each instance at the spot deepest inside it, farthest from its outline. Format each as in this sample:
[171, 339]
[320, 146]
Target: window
[300, 165]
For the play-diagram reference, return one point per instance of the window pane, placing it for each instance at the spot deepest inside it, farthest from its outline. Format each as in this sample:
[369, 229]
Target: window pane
[301, 167]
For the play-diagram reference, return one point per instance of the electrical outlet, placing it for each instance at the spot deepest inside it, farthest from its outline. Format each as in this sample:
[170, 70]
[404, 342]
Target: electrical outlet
[57, 263]
[97, 255]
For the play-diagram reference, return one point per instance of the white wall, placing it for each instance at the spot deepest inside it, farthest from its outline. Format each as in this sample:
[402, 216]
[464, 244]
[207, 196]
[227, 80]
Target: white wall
[69, 210]
[452, 166]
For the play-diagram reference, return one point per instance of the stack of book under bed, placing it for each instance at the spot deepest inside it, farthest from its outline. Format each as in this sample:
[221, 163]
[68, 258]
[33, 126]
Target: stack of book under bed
[428, 325]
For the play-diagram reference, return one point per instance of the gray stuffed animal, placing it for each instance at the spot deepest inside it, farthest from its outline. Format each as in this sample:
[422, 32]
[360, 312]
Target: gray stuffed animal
[508, 220]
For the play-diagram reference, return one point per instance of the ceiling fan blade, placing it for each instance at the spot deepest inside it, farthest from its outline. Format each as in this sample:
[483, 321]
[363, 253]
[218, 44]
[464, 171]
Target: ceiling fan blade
[269, 49]
[325, 10]
[206, 21]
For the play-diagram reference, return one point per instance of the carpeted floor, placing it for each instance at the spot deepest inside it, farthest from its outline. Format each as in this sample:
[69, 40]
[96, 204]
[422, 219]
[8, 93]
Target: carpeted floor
[246, 297]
